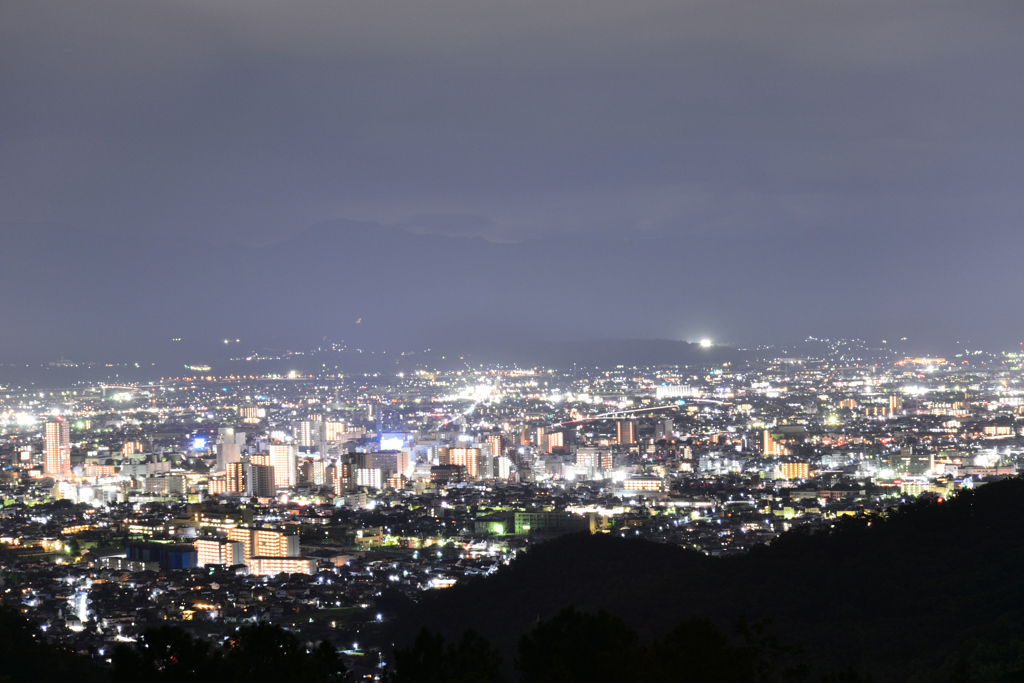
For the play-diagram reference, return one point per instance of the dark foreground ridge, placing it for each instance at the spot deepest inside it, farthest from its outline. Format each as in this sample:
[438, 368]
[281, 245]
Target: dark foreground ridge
[931, 592]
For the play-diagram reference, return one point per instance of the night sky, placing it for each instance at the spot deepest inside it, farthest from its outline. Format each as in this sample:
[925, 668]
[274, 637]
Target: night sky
[812, 167]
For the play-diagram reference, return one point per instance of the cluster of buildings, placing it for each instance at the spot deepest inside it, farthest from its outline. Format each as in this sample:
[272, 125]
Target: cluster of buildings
[314, 502]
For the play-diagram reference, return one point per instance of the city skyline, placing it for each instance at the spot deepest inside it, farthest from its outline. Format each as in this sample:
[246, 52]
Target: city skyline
[350, 508]
[600, 340]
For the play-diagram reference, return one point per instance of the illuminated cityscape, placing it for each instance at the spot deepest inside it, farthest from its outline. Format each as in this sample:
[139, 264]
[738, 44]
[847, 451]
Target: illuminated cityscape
[214, 501]
[570, 341]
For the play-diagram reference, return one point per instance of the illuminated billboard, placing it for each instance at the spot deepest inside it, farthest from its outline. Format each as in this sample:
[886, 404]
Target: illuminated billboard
[393, 441]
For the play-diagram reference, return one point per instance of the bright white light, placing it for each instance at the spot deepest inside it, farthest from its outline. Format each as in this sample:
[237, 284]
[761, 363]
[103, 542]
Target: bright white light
[705, 343]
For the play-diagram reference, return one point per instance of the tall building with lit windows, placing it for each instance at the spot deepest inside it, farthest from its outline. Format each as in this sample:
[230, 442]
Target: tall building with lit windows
[502, 467]
[272, 566]
[468, 458]
[625, 432]
[259, 481]
[794, 470]
[219, 551]
[309, 433]
[331, 430]
[772, 448]
[283, 458]
[342, 477]
[265, 542]
[57, 449]
[370, 477]
[895, 405]
[235, 477]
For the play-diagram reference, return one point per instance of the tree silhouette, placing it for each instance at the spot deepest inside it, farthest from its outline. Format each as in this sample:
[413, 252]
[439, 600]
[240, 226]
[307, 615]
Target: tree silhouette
[254, 654]
[578, 647]
[166, 654]
[26, 658]
[471, 660]
[696, 651]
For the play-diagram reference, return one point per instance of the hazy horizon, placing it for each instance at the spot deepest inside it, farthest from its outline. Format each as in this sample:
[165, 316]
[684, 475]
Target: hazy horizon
[490, 176]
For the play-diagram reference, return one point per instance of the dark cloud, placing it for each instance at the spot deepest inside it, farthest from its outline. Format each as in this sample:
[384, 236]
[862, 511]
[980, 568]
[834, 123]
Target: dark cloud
[252, 120]
[759, 138]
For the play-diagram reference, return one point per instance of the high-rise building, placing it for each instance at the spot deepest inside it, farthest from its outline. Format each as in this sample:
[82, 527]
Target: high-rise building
[261, 459]
[444, 474]
[596, 457]
[272, 566]
[319, 474]
[217, 484]
[371, 477]
[794, 470]
[251, 414]
[57, 449]
[259, 481]
[625, 432]
[227, 452]
[309, 433]
[468, 458]
[772, 448]
[895, 404]
[503, 467]
[494, 440]
[388, 461]
[663, 429]
[274, 543]
[485, 461]
[264, 542]
[556, 440]
[284, 458]
[341, 477]
[330, 432]
[406, 463]
[219, 551]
